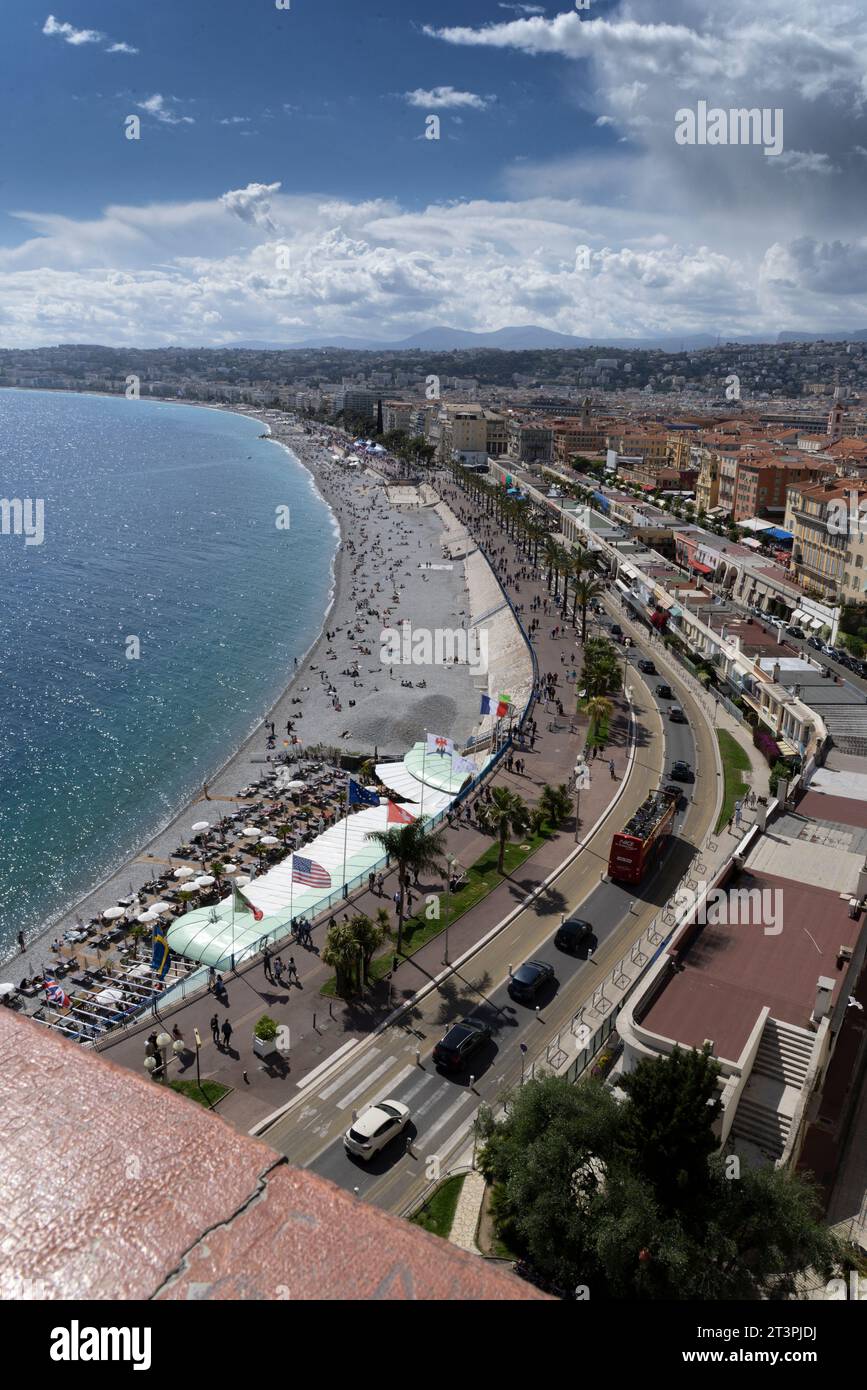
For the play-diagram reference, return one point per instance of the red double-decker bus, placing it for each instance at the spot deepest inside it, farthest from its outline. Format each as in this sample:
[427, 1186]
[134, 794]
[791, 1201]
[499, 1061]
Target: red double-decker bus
[641, 841]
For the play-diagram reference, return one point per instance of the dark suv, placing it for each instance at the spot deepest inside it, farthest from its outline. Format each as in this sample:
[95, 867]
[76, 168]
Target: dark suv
[460, 1043]
[573, 933]
[529, 980]
[647, 666]
[664, 692]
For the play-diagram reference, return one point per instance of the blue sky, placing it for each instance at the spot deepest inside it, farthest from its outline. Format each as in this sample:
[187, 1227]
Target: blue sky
[263, 129]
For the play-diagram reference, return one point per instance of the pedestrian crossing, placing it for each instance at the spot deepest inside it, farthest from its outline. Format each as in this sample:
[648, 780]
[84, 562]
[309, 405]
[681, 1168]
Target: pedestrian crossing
[442, 1112]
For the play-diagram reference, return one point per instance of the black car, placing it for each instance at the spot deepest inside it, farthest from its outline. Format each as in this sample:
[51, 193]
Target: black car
[647, 666]
[815, 644]
[681, 771]
[677, 716]
[529, 980]
[616, 630]
[664, 692]
[460, 1043]
[572, 933]
[797, 632]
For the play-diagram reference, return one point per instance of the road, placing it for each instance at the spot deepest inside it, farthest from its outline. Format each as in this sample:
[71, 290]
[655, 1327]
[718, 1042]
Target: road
[444, 1107]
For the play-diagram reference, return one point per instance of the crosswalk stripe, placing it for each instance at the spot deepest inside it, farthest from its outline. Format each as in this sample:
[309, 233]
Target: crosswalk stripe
[419, 1085]
[451, 1143]
[391, 1088]
[445, 1117]
[311, 1076]
[347, 1072]
[432, 1099]
[364, 1083]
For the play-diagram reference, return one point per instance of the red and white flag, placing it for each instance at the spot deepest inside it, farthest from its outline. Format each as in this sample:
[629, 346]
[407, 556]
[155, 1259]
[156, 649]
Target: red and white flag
[397, 815]
[243, 904]
[437, 743]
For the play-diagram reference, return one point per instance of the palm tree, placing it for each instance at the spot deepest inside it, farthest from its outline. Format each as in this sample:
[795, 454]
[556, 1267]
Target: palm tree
[598, 710]
[368, 937]
[587, 588]
[414, 850]
[555, 804]
[341, 953]
[552, 557]
[506, 812]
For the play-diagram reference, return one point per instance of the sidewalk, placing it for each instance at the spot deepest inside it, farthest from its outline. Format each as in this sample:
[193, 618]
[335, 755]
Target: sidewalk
[319, 1027]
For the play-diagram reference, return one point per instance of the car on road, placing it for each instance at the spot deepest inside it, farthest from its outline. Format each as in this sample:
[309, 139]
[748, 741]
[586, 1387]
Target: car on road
[681, 771]
[375, 1127]
[816, 644]
[664, 692]
[677, 792]
[460, 1043]
[795, 631]
[647, 666]
[616, 630]
[529, 980]
[572, 933]
[677, 716]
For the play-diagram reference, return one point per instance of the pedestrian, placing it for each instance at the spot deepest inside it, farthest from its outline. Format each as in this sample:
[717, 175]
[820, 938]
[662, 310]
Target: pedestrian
[292, 970]
[371, 881]
[266, 961]
[611, 767]
[278, 971]
[227, 1033]
[177, 1034]
[212, 975]
[380, 882]
[395, 897]
[21, 942]
[215, 1029]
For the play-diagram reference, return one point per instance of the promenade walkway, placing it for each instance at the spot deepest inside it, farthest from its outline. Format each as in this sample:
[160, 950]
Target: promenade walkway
[318, 1028]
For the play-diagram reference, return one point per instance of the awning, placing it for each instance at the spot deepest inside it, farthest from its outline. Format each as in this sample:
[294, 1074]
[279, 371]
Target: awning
[779, 534]
[700, 568]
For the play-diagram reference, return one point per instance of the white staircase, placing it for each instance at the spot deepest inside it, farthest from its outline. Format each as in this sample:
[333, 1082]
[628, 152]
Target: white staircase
[763, 1118]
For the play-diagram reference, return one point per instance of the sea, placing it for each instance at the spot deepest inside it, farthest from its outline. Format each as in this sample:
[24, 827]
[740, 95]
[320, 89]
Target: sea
[184, 563]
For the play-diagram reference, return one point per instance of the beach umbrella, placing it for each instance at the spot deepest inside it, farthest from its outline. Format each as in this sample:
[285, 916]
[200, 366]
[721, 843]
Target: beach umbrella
[109, 996]
[242, 879]
[159, 907]
[269, 840]
[185, 872]
[251, 832]
[296, 786]
[201, 825]
[146, 918]
[230, 868]
[205, 881]
[6, 989]
[111, 914]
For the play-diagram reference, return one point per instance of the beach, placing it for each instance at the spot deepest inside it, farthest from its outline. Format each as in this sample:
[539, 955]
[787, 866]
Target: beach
[389, 570]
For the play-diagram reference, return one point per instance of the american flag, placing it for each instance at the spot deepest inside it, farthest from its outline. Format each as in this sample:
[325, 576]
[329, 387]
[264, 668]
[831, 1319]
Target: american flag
[56, 993]
[306, 871]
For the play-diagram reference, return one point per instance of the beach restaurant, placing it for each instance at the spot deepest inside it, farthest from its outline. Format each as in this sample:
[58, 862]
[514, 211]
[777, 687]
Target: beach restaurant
[309, 882]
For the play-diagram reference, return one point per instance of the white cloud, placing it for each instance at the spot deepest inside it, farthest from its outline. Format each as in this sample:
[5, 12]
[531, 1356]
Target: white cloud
[522, 9]
[160, 108]
[54, 28]
[234, 120]
[803, 162]
[445, 98]
[253, 204]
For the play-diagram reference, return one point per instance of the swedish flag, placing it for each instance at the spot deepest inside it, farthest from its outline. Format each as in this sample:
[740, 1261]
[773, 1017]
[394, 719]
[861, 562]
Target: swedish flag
[161, 953]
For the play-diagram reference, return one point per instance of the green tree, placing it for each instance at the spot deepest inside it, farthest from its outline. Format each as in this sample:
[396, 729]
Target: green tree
[601, 671]
[587, 588]
[554, 804]
[414, 850]
[368, 937]
[506, 813]
[342, 954]
[667, 1134]
[598, 710]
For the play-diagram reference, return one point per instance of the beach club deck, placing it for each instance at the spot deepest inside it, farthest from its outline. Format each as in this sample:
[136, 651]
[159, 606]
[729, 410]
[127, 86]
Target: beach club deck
[424, 783]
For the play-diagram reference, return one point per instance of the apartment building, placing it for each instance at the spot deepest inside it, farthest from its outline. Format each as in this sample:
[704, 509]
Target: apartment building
[398, 415]
[461, 430]
[576, 436]
[761, 482]
[530, 441]
[496, 434]
[648, 442]
[817, 515]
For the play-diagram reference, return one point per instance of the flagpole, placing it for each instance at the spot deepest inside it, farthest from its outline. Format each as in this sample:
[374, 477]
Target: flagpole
[291, 885]
[346, 832]
[423, 762]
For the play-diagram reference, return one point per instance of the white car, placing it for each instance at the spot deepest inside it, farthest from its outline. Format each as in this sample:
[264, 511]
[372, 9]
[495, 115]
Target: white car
[375, 1127]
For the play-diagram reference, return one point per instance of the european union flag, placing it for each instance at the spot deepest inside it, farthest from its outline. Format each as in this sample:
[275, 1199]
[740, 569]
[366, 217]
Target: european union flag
[361, 796]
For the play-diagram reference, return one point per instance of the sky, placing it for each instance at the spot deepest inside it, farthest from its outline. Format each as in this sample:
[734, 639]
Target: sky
[283, 186]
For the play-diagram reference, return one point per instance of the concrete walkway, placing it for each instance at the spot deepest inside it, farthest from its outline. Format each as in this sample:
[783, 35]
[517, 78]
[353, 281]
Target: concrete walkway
[467, 1213]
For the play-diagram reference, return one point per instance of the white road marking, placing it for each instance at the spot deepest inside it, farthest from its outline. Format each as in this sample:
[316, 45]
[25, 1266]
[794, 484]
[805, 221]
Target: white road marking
[310, 1076]
[391, 1088]
[349, 1071]
[364, 1083]
[454, 1139]
[444, 1118]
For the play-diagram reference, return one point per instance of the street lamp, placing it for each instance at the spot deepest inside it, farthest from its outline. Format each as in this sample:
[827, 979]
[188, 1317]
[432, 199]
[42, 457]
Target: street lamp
[449, 862]
[163, 1042]
[580, 774]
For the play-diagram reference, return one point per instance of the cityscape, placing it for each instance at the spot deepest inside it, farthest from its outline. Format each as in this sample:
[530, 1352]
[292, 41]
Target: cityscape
[435, 668]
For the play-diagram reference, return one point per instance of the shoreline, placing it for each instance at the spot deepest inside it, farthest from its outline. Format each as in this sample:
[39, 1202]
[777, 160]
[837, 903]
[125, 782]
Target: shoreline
[246, 762]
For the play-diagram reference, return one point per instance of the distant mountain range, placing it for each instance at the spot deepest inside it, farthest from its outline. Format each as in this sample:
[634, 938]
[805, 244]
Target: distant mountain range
[532, 338]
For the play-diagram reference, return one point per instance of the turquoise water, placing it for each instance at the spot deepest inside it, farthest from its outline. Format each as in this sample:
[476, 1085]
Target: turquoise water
[160, 525]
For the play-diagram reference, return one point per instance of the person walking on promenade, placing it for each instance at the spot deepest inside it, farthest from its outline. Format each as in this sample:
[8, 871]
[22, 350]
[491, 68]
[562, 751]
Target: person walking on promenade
[177, 1034]
[278, 971]
[212, 975]
[215, 1029]
[292, 971]
[227, 1033]
[266, 962]
[371, 881]
[611, 768]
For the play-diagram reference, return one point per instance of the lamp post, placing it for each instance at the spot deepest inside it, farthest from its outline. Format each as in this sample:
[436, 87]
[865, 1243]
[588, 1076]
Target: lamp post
[580, 775]
[449, 862]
